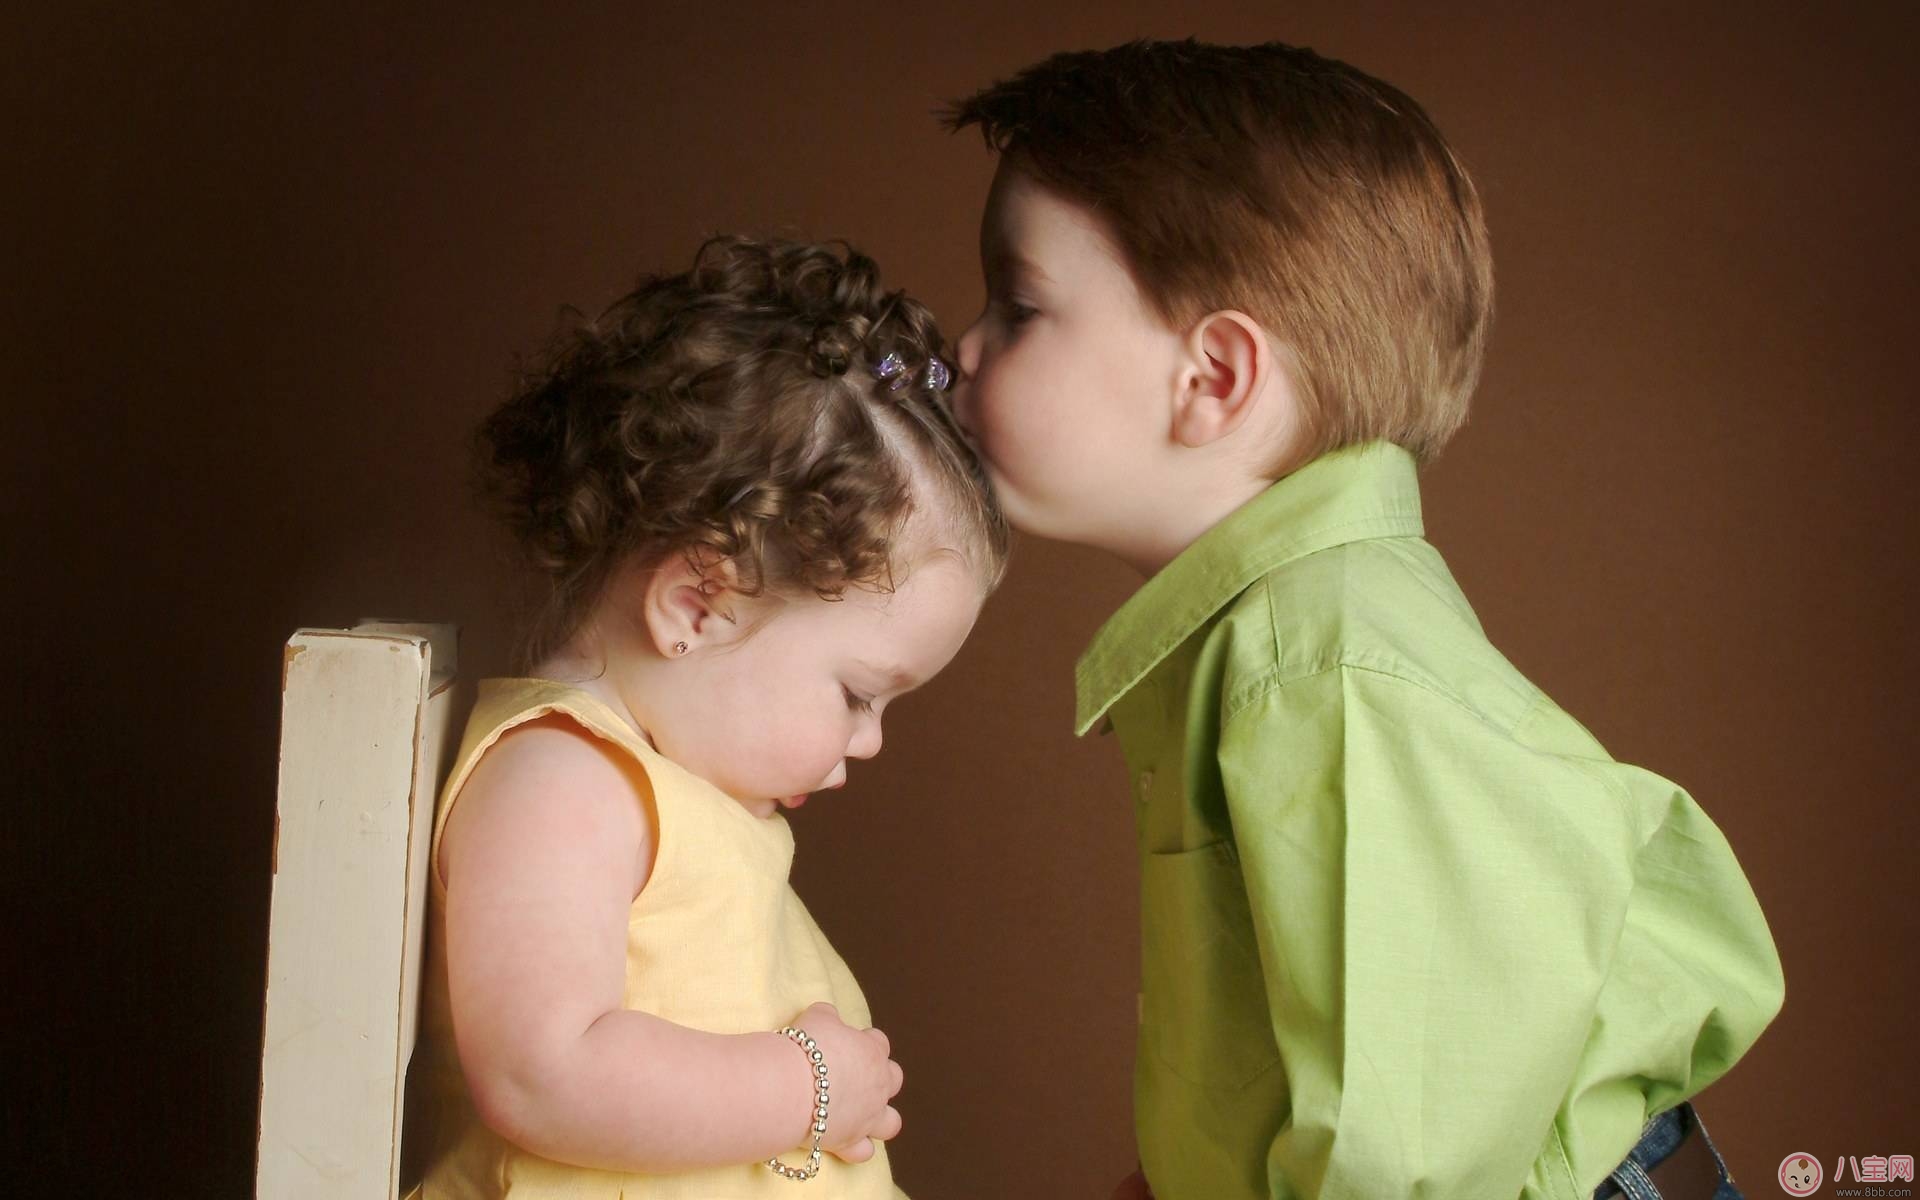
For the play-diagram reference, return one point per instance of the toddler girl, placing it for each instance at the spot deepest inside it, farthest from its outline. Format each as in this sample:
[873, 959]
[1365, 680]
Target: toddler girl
[761, 526]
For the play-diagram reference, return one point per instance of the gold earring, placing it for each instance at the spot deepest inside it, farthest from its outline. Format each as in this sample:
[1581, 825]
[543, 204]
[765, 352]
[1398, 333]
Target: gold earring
[679, 647]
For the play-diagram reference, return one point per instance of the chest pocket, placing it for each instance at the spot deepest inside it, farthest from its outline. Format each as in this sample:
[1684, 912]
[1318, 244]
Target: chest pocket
[1204, 1013]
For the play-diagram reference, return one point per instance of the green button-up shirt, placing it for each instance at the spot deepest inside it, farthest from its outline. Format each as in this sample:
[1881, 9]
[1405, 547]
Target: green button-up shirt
[1409, 931]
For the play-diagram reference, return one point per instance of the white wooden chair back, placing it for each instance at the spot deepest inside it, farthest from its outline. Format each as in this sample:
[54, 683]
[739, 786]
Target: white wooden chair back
[366, 730]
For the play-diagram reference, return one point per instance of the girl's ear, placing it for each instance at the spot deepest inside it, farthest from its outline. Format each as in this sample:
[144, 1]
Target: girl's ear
[687, 606]
[1230, 369]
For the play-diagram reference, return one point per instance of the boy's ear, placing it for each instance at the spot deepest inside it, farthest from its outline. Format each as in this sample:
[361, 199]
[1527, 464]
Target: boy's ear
[687, 605]
[1229, 366]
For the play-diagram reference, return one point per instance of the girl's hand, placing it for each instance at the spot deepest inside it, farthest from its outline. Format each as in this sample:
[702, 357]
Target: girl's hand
[864, 1079]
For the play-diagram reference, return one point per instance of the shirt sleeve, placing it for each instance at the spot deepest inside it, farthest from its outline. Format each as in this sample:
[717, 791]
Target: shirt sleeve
[1436, 906]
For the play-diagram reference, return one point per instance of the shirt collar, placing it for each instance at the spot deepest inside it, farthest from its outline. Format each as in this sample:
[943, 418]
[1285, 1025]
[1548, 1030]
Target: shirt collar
[1349, 495]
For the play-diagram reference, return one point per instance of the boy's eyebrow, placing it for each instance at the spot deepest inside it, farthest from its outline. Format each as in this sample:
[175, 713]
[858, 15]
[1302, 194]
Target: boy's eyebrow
[1003, 261]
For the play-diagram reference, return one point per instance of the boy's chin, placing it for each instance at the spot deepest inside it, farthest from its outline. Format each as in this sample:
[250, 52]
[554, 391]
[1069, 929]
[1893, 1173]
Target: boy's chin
[1042, 525]
[1019, 516]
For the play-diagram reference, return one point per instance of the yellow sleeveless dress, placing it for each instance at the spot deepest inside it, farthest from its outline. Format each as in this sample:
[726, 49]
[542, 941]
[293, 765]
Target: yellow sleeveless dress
[716, 940]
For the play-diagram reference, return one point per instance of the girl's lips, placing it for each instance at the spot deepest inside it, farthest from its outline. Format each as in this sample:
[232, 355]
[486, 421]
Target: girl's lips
[797, 801]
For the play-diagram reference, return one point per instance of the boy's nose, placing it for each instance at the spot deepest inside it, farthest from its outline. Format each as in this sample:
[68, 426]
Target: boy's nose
[967, 353]
[967, 349]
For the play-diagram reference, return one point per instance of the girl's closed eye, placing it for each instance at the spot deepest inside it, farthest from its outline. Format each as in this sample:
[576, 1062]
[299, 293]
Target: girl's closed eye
[857, 702]
[1016, 313]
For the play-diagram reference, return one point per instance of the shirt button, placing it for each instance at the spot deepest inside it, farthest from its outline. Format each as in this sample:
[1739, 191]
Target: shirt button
[1146, 783]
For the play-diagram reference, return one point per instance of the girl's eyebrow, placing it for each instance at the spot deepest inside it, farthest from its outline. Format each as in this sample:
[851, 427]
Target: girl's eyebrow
[896, 678]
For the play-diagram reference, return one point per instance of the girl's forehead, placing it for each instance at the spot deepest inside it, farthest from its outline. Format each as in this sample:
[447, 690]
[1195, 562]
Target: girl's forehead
[939, 585]
[910, 631]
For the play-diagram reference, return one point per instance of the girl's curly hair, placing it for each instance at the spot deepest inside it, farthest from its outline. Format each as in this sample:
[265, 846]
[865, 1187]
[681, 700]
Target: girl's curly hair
[733, 413]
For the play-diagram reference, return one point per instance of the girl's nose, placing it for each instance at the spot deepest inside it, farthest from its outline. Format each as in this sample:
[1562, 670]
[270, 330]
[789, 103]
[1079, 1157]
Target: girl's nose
[866, 742]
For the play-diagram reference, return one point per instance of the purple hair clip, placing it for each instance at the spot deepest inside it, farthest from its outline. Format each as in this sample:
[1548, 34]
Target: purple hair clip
[892, 370]
[939, 375]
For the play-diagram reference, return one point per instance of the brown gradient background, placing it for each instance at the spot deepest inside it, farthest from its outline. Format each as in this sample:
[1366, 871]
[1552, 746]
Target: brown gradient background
[266, 269]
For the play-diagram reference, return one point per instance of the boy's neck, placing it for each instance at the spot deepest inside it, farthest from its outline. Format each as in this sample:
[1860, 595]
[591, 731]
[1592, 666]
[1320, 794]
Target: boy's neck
[1200, 491]
[1149, 550]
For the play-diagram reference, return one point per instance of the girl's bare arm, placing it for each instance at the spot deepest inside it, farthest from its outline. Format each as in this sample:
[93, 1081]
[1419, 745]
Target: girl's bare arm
[543, 855]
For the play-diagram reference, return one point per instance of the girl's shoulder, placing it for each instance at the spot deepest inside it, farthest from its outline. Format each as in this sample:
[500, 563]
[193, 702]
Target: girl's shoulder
[507, 704]
[547, 740]
[554, 753]
[533, 771]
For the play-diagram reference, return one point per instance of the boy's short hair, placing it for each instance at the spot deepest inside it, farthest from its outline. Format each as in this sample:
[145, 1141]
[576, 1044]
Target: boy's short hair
[1315, 198]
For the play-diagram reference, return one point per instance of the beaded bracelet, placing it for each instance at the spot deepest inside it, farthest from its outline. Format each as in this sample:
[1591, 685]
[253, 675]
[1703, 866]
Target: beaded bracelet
[802, 1174]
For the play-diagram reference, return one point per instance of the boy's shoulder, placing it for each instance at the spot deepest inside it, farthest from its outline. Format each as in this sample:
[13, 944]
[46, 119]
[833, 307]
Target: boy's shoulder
[1384, 605]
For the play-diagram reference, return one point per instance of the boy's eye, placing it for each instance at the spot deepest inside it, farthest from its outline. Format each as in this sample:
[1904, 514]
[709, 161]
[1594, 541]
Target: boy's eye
[856, 702]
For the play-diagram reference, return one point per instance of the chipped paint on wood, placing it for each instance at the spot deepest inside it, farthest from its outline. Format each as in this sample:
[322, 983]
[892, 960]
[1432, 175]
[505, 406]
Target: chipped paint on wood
[287, 656]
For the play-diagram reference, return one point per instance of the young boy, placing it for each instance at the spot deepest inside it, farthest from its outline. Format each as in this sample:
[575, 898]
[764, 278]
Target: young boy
[1409, 931]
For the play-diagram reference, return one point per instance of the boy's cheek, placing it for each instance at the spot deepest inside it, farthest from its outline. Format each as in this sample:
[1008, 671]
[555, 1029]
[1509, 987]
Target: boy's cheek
[1007, 450]
[988, 460]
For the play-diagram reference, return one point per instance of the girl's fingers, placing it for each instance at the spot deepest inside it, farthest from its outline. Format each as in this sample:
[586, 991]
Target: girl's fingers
[888, 1127]
[858, 1152]
[886, 1047]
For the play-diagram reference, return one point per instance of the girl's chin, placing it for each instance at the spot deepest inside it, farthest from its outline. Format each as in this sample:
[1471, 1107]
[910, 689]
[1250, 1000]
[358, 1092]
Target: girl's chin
[770, 808]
